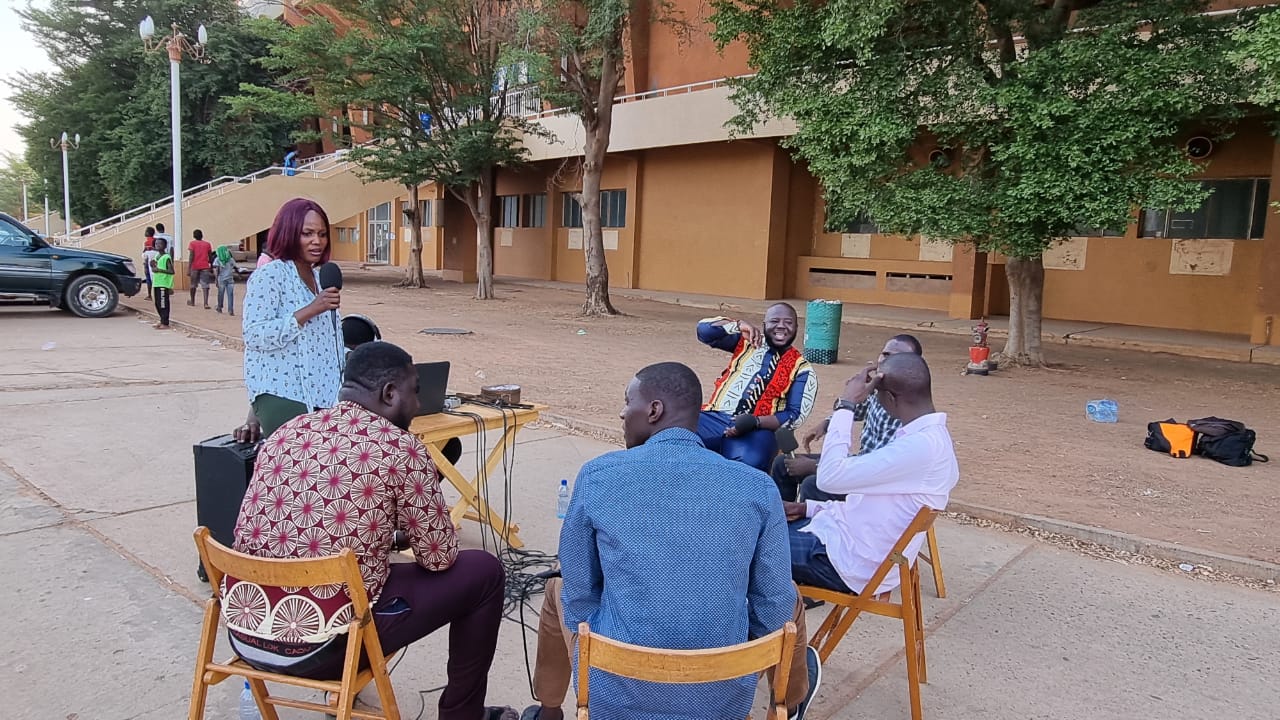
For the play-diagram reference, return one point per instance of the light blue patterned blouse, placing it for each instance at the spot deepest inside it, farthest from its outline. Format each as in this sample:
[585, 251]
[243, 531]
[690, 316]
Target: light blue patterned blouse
[670, 545]
[280, 358]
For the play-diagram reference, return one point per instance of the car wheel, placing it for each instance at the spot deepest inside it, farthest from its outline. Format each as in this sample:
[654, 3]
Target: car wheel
[92, 296]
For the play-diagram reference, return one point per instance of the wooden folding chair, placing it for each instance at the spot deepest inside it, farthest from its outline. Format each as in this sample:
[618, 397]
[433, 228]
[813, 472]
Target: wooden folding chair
[846, 607]
[362, 636]
[686, 666]
[935, 562]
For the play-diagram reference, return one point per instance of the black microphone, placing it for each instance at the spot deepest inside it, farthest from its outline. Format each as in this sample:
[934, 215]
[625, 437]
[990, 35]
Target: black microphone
[745, 423]
[330, 276]
[786, 438]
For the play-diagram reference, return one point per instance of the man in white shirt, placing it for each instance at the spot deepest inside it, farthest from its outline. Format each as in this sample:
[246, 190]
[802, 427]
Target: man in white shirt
[839, 544]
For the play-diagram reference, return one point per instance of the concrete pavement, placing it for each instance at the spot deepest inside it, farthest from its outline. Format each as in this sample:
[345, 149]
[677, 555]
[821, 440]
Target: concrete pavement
[102, 600]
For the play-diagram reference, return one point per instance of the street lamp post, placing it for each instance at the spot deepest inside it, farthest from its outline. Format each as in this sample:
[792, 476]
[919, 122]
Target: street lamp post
[65, 144]
[177, 45]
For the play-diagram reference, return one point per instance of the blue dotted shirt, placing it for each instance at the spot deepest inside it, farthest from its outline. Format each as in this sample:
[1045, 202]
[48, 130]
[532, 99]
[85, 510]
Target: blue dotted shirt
[670, 545]
[280, 358]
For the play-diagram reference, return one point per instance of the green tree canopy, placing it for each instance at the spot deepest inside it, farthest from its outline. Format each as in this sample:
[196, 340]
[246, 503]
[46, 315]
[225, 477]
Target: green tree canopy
[1048, 116]
[426, 73]
[116, 96]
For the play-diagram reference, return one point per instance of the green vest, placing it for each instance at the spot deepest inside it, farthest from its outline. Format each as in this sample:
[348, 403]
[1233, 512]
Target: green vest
[163, 280]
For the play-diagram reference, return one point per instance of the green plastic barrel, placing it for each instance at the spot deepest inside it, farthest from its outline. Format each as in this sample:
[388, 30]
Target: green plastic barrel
[822, 331]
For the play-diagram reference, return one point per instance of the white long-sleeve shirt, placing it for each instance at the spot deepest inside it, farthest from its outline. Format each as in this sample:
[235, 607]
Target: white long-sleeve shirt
[885, 489]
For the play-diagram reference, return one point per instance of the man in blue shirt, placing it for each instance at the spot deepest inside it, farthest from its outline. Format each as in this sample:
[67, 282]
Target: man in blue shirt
[669, 545]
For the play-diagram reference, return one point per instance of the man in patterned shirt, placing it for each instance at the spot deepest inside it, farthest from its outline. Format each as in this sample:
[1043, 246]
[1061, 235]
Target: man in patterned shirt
[668, 545]
[348, 477]
[878, 428]
[767, 385]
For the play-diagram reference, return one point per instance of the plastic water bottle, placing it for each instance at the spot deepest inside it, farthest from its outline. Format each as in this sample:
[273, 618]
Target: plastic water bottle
[248, 708]
[562, 500]
[1103, 411]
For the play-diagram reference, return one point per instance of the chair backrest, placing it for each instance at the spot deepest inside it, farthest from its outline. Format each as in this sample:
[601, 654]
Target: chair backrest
[684, 666]
[919, 524]
[342, 568]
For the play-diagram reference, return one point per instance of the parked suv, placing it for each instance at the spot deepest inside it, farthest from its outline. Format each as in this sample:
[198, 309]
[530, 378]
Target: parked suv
[86, 282]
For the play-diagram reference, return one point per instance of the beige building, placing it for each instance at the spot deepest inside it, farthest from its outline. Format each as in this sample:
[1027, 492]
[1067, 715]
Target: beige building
[688, 208]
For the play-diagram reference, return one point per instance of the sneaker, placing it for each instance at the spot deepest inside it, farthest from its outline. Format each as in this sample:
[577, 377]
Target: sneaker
[501, 713]
[810, 603]
[814, 667]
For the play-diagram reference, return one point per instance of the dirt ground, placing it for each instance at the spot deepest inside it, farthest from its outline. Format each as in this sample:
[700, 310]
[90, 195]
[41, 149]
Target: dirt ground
[1022, 437]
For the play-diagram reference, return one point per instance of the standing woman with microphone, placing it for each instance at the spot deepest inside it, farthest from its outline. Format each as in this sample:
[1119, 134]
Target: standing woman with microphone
[292, 342]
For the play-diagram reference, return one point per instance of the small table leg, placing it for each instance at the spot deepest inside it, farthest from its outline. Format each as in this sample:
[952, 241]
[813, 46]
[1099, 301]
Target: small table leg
[471, 497]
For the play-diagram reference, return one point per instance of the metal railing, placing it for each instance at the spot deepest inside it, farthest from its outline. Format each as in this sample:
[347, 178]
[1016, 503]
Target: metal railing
[318, 167]
[525, 103]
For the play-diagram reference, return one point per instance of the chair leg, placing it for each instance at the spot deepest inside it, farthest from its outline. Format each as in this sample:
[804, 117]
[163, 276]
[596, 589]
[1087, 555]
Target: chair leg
[381, 679]
[204, 656]
[909, 596]
[350, 668]
[935, 563]
[260, 695]
[919, 619]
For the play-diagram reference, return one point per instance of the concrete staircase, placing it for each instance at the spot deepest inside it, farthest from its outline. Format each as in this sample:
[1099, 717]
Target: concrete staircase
[230, 208]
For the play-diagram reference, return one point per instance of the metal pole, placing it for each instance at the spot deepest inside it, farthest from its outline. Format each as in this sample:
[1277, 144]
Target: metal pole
[175, 122]
[46, 208]
[66, 192]
[26, 213]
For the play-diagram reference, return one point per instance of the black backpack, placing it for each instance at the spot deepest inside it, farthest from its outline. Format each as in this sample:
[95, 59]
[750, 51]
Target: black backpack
[1227, 441]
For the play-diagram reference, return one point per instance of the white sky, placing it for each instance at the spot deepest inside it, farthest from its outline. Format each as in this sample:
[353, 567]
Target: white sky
[21, 52]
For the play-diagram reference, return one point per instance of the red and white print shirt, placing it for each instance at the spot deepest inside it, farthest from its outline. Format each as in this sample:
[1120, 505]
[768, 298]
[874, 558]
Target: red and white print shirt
[345, 477]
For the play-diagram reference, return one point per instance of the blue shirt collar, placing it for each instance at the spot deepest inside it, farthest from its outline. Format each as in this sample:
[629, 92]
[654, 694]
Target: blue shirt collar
[674, 435]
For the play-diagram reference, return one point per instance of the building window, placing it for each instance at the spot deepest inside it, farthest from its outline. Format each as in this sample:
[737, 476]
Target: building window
[424, 212]
[861, 225]
[508, 211]
[571, 217]
[1237, 210]
[613, 208]
[534, 214]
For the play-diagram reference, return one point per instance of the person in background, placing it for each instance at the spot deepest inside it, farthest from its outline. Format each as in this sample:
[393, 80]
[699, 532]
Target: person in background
[767, 385]
[162, 235]
[293, 354]
[200, 267]
[225, 264]
[149, 254]
[162, 276]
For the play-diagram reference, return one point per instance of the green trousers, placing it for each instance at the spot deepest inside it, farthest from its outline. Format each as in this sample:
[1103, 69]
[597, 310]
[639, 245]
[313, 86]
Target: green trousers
[274, 411]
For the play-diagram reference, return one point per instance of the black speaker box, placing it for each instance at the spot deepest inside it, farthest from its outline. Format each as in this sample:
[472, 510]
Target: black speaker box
[223, 470]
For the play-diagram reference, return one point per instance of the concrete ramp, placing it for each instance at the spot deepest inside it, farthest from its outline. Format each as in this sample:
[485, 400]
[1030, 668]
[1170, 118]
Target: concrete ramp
[234, 208]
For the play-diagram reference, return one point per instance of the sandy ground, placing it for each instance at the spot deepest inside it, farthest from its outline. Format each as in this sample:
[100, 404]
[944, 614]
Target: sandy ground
[1023, 439]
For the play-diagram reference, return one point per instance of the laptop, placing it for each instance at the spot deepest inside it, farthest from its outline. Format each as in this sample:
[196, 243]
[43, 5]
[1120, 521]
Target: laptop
[433, 382]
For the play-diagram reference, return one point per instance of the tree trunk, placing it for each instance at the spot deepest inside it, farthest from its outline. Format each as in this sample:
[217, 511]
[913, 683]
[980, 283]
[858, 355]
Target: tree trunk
[1026, 302]
[598, 123]
[480, 202]
[413, 275]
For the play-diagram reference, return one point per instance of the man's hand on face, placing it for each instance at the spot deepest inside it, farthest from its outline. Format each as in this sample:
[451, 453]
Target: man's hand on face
[800, 466]
[749, 333]
[860, 386]
[794, 510]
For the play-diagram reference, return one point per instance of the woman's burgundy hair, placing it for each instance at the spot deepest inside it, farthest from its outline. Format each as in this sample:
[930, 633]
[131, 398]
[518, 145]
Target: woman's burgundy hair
[284, 240]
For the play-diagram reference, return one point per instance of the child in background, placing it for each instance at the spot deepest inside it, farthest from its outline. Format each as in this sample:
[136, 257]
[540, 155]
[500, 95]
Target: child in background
[224, 263]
